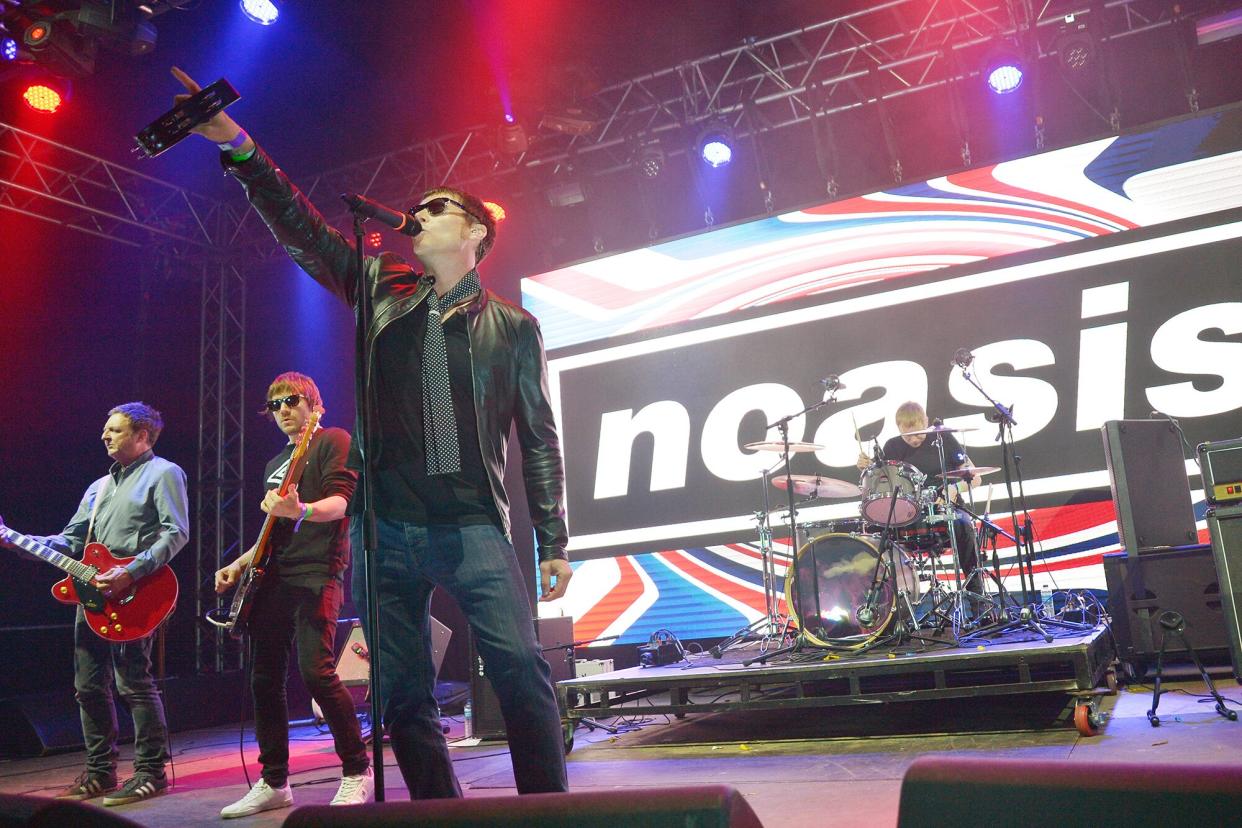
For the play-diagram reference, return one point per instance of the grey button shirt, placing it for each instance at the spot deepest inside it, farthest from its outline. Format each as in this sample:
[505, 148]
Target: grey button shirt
[144, 512]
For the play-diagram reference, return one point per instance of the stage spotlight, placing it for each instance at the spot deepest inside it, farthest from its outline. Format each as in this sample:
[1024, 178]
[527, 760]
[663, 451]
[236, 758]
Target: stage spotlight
[1074, 45]
[263, 12]
[650, 158]
[42, 98]
[715, 144]
[38, 34]
[512, 137]
[1003, 70]
[374, 240]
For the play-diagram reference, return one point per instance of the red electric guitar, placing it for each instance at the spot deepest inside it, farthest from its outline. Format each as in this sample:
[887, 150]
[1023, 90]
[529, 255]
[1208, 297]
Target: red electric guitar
[118, 618]
[238, 617]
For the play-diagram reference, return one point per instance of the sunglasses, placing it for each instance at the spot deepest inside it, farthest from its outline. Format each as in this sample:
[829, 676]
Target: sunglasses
[292, 400]
[437, 206]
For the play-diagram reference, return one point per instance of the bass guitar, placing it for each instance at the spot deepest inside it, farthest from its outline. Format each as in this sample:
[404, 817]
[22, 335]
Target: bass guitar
[117, 618]
[238, 617]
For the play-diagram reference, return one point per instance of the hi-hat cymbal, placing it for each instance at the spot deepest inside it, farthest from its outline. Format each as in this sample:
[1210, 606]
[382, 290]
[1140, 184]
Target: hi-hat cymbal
[813, 485]
[939, 429]
[964, 471]
[776, 445]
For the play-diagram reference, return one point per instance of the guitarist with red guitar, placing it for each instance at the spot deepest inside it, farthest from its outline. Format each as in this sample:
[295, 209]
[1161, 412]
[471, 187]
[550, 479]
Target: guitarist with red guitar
[302, 554]
[138, 508]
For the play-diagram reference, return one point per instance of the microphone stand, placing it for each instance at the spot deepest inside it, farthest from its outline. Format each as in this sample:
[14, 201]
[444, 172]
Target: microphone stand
[1024, 548]
[365, 401]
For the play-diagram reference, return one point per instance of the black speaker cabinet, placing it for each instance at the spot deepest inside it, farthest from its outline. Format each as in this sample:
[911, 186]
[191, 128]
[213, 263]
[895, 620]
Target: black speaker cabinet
[1014, 792]
[1225, 526]
[697, 806]
[554, 635]
[1147, 473]
[1142, 587]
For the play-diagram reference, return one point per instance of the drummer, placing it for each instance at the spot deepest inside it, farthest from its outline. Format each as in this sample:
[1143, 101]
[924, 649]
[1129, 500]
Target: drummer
[922, 453]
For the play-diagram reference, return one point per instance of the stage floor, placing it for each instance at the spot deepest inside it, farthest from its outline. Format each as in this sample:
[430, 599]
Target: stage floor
[793, 766]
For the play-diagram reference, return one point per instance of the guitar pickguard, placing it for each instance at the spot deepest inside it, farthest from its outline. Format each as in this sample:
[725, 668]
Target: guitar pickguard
[89, 595]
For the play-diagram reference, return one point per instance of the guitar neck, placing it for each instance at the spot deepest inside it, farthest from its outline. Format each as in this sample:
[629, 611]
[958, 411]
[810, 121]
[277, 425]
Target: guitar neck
[77, 569]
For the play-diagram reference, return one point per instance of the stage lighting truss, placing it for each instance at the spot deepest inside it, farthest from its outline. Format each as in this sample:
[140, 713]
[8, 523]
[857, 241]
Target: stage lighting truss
[715, 143]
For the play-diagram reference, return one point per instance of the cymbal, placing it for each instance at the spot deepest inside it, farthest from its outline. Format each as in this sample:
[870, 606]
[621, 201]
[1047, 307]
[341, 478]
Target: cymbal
[776, 445]
[976, 471]
[813, 485]
[940, 429]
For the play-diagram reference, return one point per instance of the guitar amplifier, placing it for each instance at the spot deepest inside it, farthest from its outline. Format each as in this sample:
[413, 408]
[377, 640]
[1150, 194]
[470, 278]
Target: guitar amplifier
[554, 636]
[353, 660]
[1221, 465]
[1225, 526]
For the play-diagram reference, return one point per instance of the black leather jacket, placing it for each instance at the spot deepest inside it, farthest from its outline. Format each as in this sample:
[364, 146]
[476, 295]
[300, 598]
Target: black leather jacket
[506, 347]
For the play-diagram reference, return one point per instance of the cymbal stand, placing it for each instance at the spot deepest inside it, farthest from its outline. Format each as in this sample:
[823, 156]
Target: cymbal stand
[772, 623]
[783, 425]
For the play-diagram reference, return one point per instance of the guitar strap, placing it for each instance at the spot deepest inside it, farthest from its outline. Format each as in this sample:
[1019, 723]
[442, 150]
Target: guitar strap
[103, 488]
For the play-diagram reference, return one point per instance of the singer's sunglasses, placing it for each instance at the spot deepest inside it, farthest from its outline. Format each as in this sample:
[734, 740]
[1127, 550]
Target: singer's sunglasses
[437, 206]
[292, 401]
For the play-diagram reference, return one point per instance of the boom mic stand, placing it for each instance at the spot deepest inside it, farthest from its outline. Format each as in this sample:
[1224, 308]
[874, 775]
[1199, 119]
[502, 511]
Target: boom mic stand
[1024, 548]
[366, 408]
[569, 649]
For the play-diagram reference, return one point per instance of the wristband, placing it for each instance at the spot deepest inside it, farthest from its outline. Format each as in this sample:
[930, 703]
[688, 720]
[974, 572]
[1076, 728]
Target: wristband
[307, 511]
[236, 143]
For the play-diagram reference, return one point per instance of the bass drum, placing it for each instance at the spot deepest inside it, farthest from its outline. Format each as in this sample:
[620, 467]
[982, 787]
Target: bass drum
[826, 590]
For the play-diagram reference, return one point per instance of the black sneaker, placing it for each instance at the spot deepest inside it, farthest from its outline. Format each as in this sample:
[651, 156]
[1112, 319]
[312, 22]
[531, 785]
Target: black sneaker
[139, 786]
[88, 786]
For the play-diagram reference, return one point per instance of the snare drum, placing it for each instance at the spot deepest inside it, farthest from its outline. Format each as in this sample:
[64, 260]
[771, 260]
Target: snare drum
[827, 586]
[891, 488]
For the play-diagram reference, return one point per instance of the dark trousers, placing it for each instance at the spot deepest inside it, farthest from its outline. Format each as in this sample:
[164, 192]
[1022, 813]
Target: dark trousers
[96, 664]
[478, 567]
[286, 614]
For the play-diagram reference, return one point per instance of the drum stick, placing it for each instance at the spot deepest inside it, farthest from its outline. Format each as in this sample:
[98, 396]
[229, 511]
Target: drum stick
[857, 435]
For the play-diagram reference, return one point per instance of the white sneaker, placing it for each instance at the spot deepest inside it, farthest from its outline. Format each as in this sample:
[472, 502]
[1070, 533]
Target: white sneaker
[262, 797]
[355, 790]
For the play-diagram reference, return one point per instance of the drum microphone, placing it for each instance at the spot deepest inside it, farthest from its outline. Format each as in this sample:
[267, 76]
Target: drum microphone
[962, 358]
[401, 222]
[832, 382]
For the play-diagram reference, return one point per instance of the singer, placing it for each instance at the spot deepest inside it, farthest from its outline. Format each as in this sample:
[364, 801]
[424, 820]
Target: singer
[453, 367]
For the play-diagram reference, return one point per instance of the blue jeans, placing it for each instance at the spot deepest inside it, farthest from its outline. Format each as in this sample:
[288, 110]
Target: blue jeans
[96, 663]
[478, 567]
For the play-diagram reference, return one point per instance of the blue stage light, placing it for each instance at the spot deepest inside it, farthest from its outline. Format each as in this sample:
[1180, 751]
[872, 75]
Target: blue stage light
[260, 11]
[717, 153]
[8, 49]
[1004, 78]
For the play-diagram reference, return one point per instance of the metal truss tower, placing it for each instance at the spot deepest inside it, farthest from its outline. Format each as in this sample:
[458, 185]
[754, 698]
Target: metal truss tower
[61, 185]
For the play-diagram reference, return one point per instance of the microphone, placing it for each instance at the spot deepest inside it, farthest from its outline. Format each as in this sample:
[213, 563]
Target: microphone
[962, 357]
[401, 222]
[879, 452]
[937, 422]
[832, 382]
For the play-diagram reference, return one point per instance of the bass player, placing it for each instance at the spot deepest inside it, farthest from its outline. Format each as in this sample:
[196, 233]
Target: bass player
[299, 598]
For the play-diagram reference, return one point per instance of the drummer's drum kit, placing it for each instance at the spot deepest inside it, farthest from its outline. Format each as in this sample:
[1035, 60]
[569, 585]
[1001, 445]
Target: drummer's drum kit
[860, 578]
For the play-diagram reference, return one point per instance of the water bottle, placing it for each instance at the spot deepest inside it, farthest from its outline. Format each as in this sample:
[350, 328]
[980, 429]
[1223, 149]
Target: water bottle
[468, 715]
[1049, 608]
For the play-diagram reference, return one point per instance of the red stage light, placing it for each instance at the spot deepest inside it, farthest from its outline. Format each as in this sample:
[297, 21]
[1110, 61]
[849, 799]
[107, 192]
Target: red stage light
[374, 239]
[495, 210]
[42, 98]
[37, 34]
